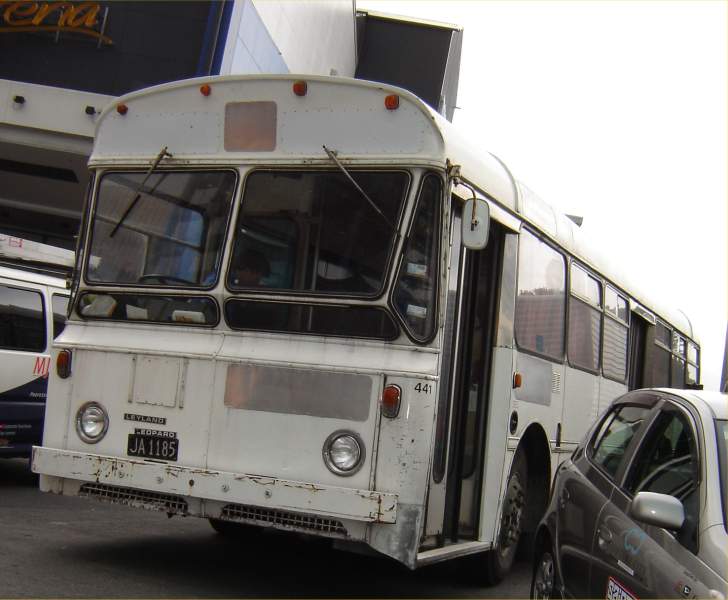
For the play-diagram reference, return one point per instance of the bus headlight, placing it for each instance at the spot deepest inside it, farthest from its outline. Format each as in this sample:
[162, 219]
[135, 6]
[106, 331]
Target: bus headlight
[91, 422]
[343, 453]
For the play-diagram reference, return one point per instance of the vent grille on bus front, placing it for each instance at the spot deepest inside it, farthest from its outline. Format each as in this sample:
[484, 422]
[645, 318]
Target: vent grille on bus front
[286, 520]
[136, 498]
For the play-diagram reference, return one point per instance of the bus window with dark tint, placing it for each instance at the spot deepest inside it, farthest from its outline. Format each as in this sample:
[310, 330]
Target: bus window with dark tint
[677, 372]
[415, 296]
[149, 308]
[661, 356]
[22, 320]
[347, 321]
[585, 320]
[314, 232]
[60, 310]
[691, 372]
[168, 232]
[617, 432]
[541, 300]
[614, 349]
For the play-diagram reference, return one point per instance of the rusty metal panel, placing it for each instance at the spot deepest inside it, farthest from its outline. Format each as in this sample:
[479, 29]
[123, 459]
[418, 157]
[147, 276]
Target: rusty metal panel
[269, 492]
[297, 392]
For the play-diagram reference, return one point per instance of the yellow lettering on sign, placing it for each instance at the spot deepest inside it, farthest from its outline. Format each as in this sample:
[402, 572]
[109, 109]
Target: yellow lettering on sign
[17, 14]
[74, 17]
[84, 15]
[48, 8]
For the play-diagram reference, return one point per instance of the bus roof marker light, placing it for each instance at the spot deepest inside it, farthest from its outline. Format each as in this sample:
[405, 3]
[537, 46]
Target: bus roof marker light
[205, 89]
[122, 108]
[300, 88]
[391, 401]
[392, 102]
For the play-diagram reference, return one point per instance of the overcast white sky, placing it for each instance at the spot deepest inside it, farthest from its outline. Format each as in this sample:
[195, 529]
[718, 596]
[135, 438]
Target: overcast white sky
[615, 111]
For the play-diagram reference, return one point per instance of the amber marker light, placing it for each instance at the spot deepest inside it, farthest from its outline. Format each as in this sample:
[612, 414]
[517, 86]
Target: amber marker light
[63, 364]
[391, 401]
[205, 89]
[517, 380]
[392, 102]
[300, 88]
[122, 109]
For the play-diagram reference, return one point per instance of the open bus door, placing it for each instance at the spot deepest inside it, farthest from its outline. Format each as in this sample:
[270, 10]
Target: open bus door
[454, 503]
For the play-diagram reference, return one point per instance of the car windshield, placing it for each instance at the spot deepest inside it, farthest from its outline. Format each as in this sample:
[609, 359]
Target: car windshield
[721, 427]
[167, 233]
[314, 231]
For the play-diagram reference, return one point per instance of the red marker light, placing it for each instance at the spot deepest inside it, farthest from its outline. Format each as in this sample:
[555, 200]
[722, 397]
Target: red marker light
[205, 89]
[122, 109]
[391, 400]
[392, 102]
[300, 88]
[517, 380]
[63, 364]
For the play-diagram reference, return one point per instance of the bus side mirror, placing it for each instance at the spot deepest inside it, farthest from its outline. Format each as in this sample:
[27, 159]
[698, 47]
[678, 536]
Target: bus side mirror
[476, 224]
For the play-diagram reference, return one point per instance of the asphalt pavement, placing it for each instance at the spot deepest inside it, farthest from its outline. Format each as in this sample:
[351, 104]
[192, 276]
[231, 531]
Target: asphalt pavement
[58, 547]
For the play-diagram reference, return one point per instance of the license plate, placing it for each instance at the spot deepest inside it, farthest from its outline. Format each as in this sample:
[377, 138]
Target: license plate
[145, 445]
[616, 591]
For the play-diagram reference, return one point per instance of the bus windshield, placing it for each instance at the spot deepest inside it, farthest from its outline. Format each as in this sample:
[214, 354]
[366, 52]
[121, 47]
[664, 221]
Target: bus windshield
[171, 236]
[313, 232]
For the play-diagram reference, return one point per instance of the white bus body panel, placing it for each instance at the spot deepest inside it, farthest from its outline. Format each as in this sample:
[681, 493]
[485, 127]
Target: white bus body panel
[185, 380]
[349, 119]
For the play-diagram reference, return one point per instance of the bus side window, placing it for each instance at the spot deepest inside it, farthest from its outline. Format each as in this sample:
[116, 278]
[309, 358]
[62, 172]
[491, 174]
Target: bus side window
[659, 362]
[22, 320]
[585, 320]
[679, 349]
[415, 294]
[615, 340]
[692, 375]
[541, 300]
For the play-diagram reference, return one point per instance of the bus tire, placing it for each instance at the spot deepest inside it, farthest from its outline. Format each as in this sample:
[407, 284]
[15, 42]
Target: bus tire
[500, 559]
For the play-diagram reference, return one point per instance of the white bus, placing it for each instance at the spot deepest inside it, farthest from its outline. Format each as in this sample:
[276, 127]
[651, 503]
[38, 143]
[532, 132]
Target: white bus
[285, 314]
[33, 305]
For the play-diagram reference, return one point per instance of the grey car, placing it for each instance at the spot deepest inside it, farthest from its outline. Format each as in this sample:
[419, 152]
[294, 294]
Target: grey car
[639, 509]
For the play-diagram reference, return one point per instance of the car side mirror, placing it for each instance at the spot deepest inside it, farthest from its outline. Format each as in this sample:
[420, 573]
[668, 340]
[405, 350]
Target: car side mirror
[661, 510]
[476, 223]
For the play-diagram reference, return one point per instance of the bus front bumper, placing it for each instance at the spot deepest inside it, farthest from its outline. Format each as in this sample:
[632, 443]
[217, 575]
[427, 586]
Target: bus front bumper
[267, 492]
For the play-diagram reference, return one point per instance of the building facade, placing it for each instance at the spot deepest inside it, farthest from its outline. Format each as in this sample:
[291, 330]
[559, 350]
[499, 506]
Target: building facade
[62, 62]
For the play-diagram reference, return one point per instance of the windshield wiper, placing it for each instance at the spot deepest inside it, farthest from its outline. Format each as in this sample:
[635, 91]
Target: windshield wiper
[138, 192]
[342, 168]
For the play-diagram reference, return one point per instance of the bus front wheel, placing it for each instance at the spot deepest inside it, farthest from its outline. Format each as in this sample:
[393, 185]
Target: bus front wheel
[500, 559]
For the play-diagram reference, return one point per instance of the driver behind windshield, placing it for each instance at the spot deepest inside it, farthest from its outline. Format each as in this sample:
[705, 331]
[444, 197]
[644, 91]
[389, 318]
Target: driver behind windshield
[249, 270]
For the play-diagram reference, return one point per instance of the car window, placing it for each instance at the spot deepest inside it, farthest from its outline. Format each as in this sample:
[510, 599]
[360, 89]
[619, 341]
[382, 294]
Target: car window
[615, 434]
[666, 463]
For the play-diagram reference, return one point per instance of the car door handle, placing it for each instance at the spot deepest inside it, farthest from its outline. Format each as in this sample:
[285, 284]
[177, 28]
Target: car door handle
[604, 537]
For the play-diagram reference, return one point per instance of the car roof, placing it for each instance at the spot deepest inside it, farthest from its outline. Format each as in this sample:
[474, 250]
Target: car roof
[716, 402]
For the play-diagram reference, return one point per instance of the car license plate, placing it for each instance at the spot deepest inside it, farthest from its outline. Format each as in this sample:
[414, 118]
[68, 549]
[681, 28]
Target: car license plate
[147, 443]
[616, 591]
